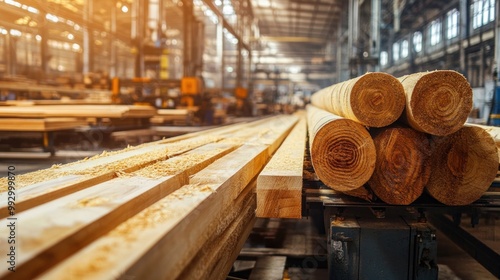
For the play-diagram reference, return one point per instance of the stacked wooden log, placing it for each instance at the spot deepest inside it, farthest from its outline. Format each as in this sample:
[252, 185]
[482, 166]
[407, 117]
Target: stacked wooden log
[179, 208]
[399, 137]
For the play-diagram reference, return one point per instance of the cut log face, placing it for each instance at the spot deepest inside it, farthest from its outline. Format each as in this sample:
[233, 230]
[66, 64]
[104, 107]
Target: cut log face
[437, 102]
[403, 167]
[342, 151]
[464, 164]
[494, 131]
[374, 99]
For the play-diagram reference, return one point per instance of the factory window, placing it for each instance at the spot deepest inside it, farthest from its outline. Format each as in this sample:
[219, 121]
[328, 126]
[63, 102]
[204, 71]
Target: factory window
[483, 12]
[395, 51]
[384, 58]
[435, 32]
[404, 49]
[417, 41]
[452, 24]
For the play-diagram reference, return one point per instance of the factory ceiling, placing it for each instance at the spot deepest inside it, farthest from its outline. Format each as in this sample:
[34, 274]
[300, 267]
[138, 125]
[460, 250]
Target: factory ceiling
[295, 35]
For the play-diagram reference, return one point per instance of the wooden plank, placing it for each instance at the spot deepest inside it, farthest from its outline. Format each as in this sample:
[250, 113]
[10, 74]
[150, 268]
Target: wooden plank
[151, 238]
[463, 166]
[56, 229]
[131, 248]
[279, 185]
[232, 244]
[223, 234]
[342, 151]
[107, 101]
[78, 111]
[41, 186]
[374, 99]
[173, 112]
[42, 124]
[437, 102]
[24, 86]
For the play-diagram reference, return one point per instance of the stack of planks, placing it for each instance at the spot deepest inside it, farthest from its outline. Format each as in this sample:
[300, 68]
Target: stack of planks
[377, 136]
[179, 208]
[173, 116]
[396, 138]
[60, 117]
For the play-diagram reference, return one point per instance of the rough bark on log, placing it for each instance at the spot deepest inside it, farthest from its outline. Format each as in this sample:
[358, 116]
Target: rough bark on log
[402, 168]
[464, 164]
[437, 102]
[342, 151]
[374, 99]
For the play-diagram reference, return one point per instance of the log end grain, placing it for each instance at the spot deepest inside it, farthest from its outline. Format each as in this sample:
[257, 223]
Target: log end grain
[377, 99]
[403, 166]
[343, 154]
[464, 164]
[439, 103]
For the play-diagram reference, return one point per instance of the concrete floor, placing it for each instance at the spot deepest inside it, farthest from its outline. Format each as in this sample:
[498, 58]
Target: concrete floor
[299, 240]
[458, 261]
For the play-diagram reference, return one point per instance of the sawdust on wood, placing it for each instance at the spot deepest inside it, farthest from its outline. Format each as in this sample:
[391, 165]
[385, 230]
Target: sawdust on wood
[175, 165]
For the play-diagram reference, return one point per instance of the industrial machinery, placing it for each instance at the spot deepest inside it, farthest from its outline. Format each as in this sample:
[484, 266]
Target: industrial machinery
[389, 248]
[374, 240]
[141, 90]
[191, 91]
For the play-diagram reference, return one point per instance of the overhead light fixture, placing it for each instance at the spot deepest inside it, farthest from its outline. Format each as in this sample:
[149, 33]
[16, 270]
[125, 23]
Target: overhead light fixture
[294, 69]
[13, 3]
[75, 47]
[16, 33]
[124, 9]
[52, 17]
[218, 2]
[264, 3]
[71, 36]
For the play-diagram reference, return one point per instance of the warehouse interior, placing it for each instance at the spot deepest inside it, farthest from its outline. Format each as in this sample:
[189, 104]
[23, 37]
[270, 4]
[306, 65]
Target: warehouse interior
[157, 139]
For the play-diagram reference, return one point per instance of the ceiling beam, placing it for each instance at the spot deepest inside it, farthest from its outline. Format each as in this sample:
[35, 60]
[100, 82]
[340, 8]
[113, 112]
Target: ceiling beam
[336, 10]
[291, 39]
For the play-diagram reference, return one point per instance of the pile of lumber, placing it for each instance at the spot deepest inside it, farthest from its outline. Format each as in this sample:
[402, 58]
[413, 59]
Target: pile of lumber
[28, 117]
[394, 138]
[78, 111]
[178, 208]
[379, 137]
[173, 116]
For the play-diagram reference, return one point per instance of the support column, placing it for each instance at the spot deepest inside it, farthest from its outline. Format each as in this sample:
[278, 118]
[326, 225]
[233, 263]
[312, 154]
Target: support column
[463, 33]
[353, 27]
[239, 65]
[220, 50]
[8, 56]
[497, 41]
[375, 32]
[188, 18]
[44, 46]
[137, 34]
[88, 37]
[112, 51]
